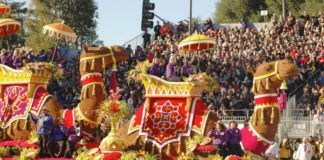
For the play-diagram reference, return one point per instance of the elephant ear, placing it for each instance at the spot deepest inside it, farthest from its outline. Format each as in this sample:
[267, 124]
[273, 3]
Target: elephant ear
[250, 69]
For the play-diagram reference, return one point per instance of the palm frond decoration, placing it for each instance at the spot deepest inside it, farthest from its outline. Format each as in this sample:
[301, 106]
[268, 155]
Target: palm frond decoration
[140, 68]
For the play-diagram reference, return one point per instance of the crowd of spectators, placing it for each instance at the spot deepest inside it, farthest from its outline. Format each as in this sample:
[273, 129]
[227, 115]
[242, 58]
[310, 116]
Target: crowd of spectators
[299, 39]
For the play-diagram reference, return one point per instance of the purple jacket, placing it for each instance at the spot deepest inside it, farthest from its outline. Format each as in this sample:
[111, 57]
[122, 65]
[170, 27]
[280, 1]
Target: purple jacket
[170, 71]
[154, 70]
[218, 138]
[186, 71]
[234, 136]
[6, 59]
[17, 63]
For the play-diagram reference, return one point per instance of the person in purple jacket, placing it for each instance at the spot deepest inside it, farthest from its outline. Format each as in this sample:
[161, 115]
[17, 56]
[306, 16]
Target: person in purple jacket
[154, 70]
[170, 70]
[234, 139]
[5, 57]
[186, 70]
[220, 138]
[17, 60]
[74, 135]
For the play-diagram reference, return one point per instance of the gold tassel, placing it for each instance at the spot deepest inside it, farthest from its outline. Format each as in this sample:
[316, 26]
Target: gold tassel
[93, 64]
[114, 67]
[168, 149]
[17, 124]
[85, 92]
[152, 150]
[103, 63]
[267, 84]
[85, 65]
[272, 115]
[283, 85]
[94, 90]
[4, 134]
[179, 147]
[144, 145]
[253, 86]
[262, 116]
[258, 85]
[25, 124]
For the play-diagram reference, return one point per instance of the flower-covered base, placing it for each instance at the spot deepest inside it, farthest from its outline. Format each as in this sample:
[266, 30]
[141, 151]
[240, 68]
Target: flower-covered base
[112, 143]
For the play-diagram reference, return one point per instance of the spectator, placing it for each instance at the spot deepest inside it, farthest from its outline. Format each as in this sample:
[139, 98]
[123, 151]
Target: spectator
[273, 151]
[304, 151]
[44, 127]
[285, 149]
[146, 39]
[157, 29]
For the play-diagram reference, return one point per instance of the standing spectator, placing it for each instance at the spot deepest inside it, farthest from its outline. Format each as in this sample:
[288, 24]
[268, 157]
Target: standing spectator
[234, 139]
[74, 136]
[304, 151]
[220, 138]
[44, 127]
[157, 28]
[129, 51]
[146, 39]
[285, 149]
[59, 137]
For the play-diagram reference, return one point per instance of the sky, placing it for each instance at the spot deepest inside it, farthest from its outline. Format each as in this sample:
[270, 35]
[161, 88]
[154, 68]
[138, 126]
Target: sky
[120, 20]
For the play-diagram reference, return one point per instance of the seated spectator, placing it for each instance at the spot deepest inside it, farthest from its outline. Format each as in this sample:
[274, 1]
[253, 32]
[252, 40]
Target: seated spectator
[170, 70]
[234, 139]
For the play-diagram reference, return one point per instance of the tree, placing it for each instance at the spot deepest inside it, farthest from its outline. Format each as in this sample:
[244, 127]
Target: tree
[80, 15]
[39, 15]
[229, 11]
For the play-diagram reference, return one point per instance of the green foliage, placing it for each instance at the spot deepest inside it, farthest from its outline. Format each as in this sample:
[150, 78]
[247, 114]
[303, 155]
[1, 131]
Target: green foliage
[229, 11]
[80, 15]
[28, 154]
[39, 16]
[4, 152]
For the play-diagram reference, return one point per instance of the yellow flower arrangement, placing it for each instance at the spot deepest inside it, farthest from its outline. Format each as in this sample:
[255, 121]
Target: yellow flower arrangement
[140, 68]
[209, 83]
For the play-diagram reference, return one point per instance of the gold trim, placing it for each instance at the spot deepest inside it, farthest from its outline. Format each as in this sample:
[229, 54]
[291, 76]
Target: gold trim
[265, 106]
[81, 116]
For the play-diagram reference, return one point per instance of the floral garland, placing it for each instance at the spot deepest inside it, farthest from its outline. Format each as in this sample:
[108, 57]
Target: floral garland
[112, 107]
[133, 155]
[202, 79]
[44, 67]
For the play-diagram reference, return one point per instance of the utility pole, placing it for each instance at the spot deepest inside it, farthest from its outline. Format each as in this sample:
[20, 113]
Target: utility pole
[284, 9]
[190, 16]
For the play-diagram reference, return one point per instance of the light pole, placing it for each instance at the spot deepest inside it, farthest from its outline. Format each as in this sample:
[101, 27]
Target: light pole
[190, 16]
[284, 9]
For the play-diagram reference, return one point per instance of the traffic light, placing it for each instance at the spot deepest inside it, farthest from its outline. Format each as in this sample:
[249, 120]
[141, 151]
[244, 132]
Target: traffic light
[147, 16]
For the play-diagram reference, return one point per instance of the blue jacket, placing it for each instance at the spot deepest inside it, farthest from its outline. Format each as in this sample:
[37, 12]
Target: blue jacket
[59, 133]
[44, 124]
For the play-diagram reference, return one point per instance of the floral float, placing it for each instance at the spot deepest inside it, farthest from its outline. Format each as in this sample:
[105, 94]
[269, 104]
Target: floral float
[115, 110]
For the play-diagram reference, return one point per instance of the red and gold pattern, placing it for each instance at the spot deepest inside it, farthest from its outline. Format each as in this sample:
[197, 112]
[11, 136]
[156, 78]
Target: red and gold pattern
[15, 104]
[166, 121]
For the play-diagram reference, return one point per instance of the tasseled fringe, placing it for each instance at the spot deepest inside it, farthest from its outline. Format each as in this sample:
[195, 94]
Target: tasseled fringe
[168, 149]
[262, 116]
[272, 115]
[85, 93]
[253, 86]
[17, 125]
[94, 90]
[179, 147]
[258, 85]
[152, 149]
[254, 119]
[283, 85]
[144, 145]
[103, 63]
[25, 124]
[93, 64]
[85, 65]
[267, 84]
